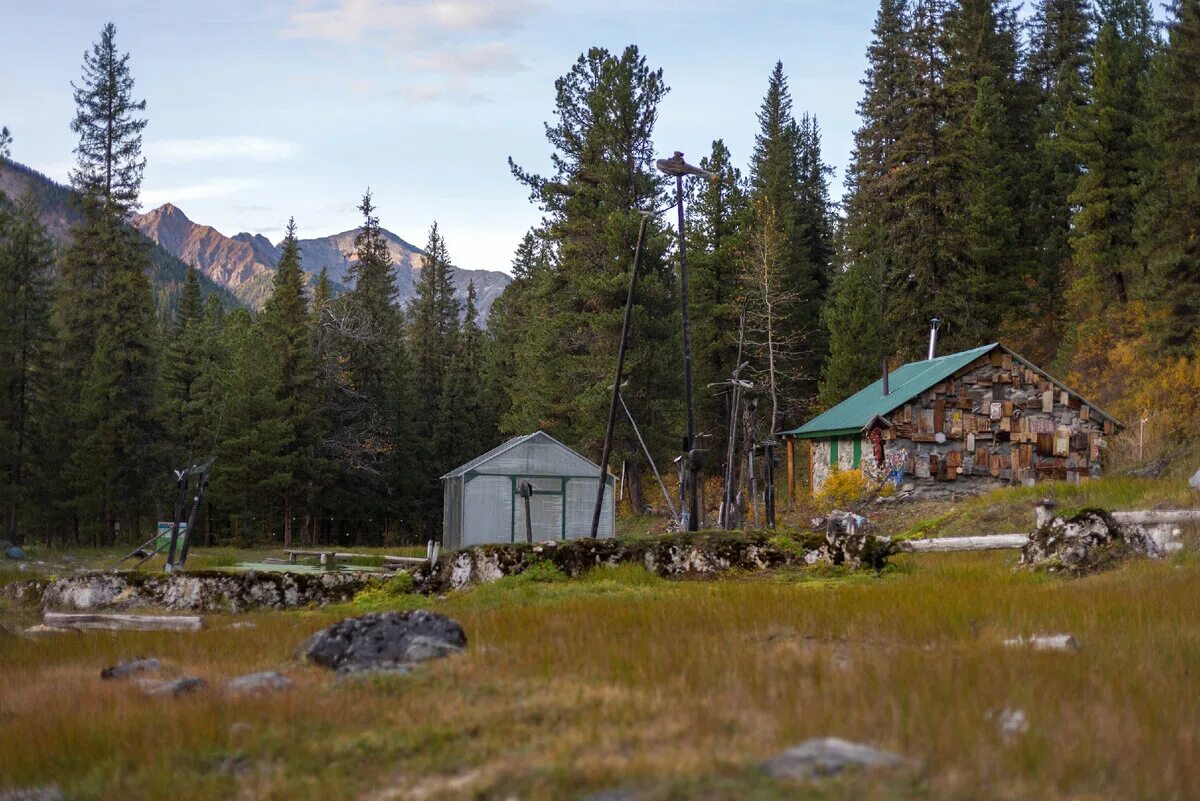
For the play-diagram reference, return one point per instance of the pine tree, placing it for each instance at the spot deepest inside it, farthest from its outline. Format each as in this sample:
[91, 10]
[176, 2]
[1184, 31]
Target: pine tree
[180, 368]
[856, 316]
[104, 308]
[253, 462]
[466, 422]
[1107, 146]
[433, 338]
[1058, 76]
[286, 326]
[606, 108]
[26, 259]
[362, 333]
[5, 141]
[776, 188]
[1169, 213]
[110, 162]
[716, 213]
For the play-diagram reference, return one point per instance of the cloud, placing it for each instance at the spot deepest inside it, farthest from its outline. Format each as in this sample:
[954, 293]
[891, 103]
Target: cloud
[204, 190]
[456, 40]
[403, 23]
[215, 148]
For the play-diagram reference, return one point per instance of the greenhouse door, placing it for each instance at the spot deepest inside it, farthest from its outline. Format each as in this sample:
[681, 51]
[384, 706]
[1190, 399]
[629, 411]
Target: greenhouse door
[545, 509]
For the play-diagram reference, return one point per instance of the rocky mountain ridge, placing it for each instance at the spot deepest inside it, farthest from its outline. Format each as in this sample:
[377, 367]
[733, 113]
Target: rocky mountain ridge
[245, 263]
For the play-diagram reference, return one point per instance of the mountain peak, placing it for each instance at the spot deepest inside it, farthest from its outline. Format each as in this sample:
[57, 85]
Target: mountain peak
[168, 210]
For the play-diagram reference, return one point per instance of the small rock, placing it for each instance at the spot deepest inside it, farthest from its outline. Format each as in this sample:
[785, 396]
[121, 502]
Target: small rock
[233, 765]
[175, 687]
[15, 553]
[254, 682]
[1012, 722]
[827, 756]
[1194, 481]
[384, 640]
[1152, 470]
[1047, 642]
[47, 793]
[627, 794]
[131, 666]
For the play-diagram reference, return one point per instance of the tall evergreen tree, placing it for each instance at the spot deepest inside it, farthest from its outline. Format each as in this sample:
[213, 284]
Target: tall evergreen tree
[286, 325]
[856, 316]
[104, 307]
[776, 184]
[110, 162]
[433, 338]
[606, 108]
[1057, 77]
[1169, 216]
[26, 259]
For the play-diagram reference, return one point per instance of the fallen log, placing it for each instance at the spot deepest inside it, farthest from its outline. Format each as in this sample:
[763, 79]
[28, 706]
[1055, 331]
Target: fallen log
[62, 620]
[1157, 517]
[987, 542]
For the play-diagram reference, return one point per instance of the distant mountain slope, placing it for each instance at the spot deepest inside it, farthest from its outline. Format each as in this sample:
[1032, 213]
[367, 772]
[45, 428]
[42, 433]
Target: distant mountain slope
[245, 263]
[58, 214]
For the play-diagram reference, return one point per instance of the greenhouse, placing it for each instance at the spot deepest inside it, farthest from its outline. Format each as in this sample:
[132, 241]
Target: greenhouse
[483, 499]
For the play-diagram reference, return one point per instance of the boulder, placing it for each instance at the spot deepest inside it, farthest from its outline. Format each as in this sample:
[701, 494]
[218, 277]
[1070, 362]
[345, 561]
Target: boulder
[823, 757]
[172, 688]
[130, 667]
[383, 640]
[1086, 543]
[255, 682]
[15, 553]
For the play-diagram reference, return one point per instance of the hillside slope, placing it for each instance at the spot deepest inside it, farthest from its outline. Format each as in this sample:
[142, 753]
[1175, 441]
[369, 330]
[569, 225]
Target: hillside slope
[58, 214]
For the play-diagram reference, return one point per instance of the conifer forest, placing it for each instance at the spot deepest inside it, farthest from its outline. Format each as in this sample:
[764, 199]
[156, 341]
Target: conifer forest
[1030, 176]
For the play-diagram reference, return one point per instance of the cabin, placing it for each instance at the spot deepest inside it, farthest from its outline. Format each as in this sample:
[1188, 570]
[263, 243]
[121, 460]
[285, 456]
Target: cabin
[482, 500]
[981, 418]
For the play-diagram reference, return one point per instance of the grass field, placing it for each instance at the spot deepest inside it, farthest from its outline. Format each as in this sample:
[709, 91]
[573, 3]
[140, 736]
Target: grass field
[681, 688]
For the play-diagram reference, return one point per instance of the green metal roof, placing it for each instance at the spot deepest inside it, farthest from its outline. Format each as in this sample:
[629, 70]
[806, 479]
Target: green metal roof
[904, 383]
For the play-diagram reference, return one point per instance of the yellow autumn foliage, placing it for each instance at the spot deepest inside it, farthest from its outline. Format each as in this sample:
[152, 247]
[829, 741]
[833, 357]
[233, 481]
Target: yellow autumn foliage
[843, 488]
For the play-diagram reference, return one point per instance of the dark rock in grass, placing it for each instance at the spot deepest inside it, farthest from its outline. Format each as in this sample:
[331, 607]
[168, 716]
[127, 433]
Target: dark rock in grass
[173, 688]
[827, 756]
[48, 793]
[131, 666]
[15, 552]
[1086, 543]
[384, 639]
[256, 682]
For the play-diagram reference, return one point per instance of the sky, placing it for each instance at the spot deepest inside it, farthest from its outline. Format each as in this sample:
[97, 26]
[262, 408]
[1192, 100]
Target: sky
[264, 111]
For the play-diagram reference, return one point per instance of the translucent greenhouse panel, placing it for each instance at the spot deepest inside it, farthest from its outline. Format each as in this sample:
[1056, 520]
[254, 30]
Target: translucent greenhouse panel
[545, 511]
[539, 456]
[488, 510]
[581, 504]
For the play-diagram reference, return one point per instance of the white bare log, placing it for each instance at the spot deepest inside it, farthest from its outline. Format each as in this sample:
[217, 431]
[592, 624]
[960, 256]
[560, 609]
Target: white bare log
[1050, 642]
[62, 620]
[1157, 517]
[987, 542]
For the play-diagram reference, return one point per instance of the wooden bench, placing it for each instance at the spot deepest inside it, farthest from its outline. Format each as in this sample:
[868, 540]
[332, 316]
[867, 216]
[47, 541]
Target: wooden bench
[432, 551]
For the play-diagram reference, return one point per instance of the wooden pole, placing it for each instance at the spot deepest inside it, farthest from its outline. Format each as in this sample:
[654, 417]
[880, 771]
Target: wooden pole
[60, 620]
[791, 460]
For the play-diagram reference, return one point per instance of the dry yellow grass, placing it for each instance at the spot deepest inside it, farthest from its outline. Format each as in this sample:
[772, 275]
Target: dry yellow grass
[680, 688]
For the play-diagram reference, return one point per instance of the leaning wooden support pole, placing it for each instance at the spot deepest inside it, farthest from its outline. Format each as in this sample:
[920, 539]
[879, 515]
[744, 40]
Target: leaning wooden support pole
[62, 620]
[988, 542]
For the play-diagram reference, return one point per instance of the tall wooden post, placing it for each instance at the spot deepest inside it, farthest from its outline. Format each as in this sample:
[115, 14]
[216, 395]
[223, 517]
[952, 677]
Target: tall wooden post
[791, 459]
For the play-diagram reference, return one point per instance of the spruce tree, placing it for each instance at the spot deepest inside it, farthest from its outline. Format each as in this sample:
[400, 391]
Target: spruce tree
[603, 155]
[1057, 76]
[180, 368]
[1169, 213]
[776, 190]
[433, 337]
[110, 162]
[286, 326]
[26, 260]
